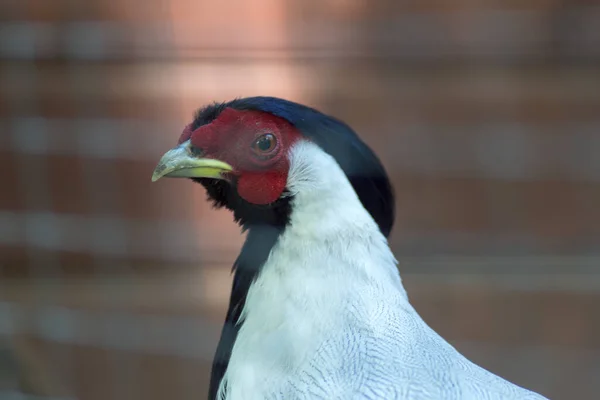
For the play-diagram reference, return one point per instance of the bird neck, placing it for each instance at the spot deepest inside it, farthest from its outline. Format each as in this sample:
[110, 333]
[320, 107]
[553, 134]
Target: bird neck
[329, 260]
[328, 251]
[333, 240]
[330, 233]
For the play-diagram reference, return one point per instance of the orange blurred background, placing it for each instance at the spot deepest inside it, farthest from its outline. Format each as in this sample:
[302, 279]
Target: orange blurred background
[485, 113]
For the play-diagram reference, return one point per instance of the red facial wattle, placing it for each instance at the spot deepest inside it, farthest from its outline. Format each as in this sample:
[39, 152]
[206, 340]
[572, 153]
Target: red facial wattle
[261, 171]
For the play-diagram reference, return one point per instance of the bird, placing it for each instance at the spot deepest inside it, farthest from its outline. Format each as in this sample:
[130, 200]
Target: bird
[317, 308]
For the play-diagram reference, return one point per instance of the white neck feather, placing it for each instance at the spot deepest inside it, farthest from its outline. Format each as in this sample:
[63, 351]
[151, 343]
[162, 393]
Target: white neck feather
[331, 252]
[327, 214]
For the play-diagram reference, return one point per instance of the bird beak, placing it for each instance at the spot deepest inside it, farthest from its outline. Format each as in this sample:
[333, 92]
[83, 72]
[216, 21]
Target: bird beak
[180, 163]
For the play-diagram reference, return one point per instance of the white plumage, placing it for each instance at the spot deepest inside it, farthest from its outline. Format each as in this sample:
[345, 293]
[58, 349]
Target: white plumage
[328, 317]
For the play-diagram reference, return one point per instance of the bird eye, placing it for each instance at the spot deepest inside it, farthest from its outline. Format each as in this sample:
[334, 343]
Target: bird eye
[264, 144]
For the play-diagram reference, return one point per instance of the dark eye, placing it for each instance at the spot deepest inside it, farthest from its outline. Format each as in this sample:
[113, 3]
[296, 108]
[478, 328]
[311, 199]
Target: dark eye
[265, 144]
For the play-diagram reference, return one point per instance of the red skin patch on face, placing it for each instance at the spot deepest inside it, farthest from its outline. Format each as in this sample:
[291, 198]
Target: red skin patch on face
[261, 179]
[185, 135]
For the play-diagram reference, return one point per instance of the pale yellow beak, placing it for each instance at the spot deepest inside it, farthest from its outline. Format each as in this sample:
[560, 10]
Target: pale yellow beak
[180, 163]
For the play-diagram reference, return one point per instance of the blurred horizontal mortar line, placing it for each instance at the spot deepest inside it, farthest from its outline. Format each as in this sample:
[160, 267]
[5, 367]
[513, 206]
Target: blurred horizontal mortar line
[497, 265]
[456, 57]
[184, 240]
[330, 55]
[154, 334]
[491, 32]
[519, 264]
[509, 152]
[100, 234]
[126, 138]
[528, 350]
[526, 274]
[399, 70]
[515, 282]
[159, 86]
[208, 281]
[158, 334]
[178, 336]
[16, 395]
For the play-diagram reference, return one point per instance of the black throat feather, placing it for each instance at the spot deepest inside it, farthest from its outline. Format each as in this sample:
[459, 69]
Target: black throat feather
[265, 224]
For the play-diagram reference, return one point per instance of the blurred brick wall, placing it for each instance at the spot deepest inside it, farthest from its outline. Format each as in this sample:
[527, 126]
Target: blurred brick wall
[486, 115]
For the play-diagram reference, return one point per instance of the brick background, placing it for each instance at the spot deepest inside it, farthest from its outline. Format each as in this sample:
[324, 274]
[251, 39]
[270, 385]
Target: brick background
[486, 114]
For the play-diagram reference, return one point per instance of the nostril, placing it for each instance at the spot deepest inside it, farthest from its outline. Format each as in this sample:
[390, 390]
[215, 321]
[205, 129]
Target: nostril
[195, 151]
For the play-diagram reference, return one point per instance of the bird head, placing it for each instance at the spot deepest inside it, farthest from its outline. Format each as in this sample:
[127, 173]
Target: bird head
[242, 152]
